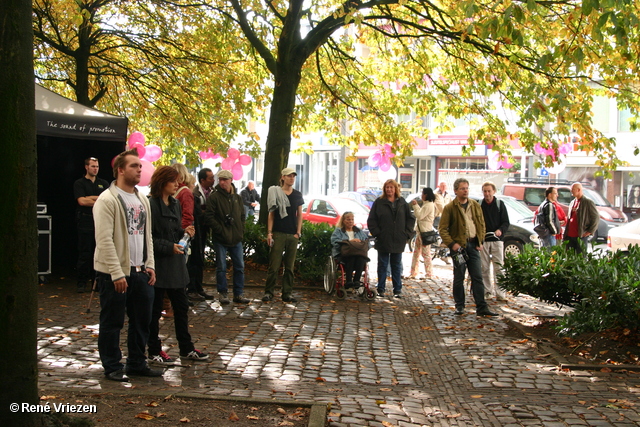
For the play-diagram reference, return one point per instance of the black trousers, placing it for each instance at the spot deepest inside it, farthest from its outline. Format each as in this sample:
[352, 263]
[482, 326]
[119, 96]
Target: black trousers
[180, 305]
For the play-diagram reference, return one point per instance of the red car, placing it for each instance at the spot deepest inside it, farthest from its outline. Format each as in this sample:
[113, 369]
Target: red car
[330, 209]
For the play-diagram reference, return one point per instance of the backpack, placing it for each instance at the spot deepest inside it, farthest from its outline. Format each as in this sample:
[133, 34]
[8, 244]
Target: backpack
[540, 222]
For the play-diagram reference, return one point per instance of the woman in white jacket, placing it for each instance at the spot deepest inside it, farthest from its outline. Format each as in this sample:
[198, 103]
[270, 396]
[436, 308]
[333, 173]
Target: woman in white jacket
[425, 215]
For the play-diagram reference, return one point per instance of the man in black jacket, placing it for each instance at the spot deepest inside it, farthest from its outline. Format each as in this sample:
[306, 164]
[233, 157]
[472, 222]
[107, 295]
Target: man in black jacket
[250, 198]
[496, 220]
[225, 215]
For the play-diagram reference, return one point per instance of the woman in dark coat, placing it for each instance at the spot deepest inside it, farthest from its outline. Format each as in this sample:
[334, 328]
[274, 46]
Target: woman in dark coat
[391, 222]
[171, 269]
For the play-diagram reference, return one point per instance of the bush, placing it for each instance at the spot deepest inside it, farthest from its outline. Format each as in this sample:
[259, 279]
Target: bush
[603, 290]
[255, 242]
[314, 249]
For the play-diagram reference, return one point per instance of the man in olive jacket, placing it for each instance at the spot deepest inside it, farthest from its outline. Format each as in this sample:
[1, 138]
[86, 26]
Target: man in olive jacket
[462, 227]
[225, 215]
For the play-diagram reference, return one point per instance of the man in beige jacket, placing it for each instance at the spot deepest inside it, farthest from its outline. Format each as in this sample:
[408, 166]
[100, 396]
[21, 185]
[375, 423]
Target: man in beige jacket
[125, 270]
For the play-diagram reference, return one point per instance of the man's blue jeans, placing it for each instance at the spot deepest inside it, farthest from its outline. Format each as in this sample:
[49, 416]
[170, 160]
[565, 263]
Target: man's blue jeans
[237, 259]
[547, 242]
[396, 271]
[474, 266]
[137, 301]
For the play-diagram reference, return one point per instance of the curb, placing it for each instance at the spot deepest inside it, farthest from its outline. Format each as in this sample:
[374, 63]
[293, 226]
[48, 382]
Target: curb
[317, 413]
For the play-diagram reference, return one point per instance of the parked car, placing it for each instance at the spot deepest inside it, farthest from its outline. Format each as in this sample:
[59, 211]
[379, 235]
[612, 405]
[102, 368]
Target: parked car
[329, 209]
[622, 237]
[531, 193]
[520, 230]
[365, 199]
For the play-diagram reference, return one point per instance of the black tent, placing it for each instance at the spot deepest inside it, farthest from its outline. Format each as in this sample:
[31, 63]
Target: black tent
[68, 133]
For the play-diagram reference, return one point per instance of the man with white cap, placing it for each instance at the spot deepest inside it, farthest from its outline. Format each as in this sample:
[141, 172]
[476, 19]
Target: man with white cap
[284, 228]
[225, 215]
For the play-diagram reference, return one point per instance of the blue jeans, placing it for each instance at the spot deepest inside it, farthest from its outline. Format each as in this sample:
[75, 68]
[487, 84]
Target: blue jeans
[474, 266]
[548, 241]
[396, 271]
[137, 302]
[237, 259]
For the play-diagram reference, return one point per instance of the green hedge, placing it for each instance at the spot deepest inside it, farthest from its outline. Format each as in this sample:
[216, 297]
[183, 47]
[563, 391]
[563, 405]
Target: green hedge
[602, 288]
[315, 247]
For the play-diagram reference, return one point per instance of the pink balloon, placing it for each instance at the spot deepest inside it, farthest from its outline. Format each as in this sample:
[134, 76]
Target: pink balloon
[374, 159]
[141, 150]
[204, 155]
[233, 153]
[565, 148]
[146, 173]
[153, 153]
[136, 137]
[492, 162]
[385, 165]
[227, 163]
[245, 160]
[237, 171]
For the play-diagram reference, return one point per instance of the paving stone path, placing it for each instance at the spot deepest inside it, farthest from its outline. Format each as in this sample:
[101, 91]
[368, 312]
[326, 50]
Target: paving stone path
[389, 362]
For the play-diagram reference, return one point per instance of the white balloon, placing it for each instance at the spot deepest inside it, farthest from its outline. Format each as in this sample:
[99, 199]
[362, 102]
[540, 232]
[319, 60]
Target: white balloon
[392, 173]
[247, 168]
[558, 166]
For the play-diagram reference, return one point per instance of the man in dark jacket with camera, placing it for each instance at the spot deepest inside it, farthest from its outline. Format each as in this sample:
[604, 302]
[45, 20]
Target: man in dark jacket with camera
[225, 215]
[462, 229]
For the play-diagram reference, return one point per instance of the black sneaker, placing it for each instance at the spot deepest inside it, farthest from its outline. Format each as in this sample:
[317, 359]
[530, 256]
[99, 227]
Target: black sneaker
[144, 372]
[193, 296]
[267, 297]
[397, 296]
[380, 294]
[161, 358]
[224, 298]
[195, 355]
[205, 295]
[459, 311]
[118, 375]
[486, 312]
[239, 299]
[289, 299]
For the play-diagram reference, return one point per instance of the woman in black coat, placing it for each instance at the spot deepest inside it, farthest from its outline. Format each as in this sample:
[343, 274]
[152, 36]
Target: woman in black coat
[391, 222]
[171, 268]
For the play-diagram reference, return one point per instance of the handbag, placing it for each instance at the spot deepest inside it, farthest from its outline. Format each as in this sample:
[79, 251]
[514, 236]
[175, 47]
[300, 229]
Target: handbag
[429, 237]
[351, 248]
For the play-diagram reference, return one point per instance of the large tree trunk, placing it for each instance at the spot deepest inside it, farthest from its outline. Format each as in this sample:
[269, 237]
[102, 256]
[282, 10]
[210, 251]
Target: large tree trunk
[278, 144]
[18, 227]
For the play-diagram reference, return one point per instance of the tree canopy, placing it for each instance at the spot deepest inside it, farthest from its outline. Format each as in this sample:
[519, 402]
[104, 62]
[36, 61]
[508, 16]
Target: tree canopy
[526, 69]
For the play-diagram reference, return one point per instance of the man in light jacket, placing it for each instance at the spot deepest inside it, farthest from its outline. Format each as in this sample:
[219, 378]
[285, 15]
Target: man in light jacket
[125, 270]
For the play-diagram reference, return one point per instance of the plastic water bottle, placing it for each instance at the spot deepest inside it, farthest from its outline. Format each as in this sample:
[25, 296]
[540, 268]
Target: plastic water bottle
[184, 241]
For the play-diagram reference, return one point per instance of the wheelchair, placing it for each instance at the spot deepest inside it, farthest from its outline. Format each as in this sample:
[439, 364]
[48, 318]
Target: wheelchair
[335, 281]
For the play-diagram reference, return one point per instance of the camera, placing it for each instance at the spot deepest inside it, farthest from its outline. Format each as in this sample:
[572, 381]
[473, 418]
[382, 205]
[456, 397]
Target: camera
[460, 257]
[228, 220]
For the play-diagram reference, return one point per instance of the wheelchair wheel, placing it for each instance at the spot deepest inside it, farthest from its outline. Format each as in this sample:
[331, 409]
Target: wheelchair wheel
[341, 293]
[330, 275]
[369, 293]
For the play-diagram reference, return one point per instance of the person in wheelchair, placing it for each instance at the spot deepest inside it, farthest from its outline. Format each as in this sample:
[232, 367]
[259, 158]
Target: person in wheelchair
[349, 246]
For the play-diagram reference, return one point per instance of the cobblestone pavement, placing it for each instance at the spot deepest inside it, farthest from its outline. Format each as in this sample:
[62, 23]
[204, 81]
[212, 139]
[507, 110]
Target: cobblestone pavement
[389, 362]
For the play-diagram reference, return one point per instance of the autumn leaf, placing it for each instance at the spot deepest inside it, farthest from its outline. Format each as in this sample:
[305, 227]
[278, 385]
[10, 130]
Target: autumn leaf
[145, 416]
[281, 411]
[185, 420]
[320, 379]
[152, 404]
[233, 416]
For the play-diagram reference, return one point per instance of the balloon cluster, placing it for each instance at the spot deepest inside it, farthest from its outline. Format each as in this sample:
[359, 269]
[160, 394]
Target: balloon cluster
[382, 158]
[147, 153]
[559, 164]
[498, 160]
[234, 161]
